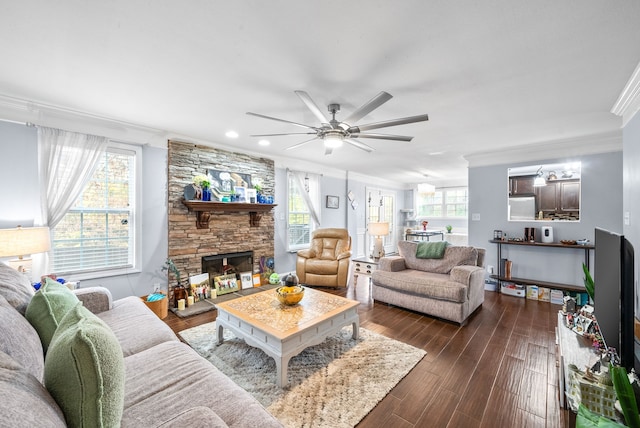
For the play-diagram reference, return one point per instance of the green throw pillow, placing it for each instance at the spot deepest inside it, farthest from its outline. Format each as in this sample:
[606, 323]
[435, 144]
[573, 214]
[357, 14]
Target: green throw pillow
[84, 370]
[47, 308]
[431, 250]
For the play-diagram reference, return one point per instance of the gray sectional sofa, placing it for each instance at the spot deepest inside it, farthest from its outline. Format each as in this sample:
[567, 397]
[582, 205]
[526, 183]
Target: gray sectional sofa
[451, 288]
[164, 383]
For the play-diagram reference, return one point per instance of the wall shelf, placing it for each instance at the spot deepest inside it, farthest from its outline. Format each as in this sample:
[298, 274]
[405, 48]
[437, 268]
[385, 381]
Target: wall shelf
[526, 281]
[203, 210]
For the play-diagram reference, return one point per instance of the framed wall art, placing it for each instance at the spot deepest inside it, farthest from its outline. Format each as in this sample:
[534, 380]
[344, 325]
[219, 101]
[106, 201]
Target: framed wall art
[247, 279]
[333, 201]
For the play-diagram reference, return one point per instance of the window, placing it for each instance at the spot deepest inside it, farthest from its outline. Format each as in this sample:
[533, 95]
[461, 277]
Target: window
[445, 202]
[98, 232]
[300, 221]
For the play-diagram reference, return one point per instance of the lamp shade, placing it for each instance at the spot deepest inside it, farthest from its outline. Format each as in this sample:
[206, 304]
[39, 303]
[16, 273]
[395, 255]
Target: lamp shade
[23, 241]
[379, 229]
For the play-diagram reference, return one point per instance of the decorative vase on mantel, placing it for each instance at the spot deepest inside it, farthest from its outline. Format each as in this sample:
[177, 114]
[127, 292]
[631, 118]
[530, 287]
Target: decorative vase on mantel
[206, 194]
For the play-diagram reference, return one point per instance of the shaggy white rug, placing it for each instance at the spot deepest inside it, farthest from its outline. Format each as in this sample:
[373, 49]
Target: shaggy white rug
[334, 384]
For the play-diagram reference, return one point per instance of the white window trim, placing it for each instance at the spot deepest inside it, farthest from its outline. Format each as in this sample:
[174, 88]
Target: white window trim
[124, 148]
[444, 204]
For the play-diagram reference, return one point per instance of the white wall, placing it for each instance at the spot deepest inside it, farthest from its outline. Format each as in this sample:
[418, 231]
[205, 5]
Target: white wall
[601, 206]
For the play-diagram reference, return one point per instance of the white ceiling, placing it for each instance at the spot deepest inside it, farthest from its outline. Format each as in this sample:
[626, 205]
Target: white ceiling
[492, 75]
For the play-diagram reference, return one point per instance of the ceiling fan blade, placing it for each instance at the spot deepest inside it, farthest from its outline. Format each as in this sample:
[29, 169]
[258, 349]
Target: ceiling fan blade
[278, 135]
[359, 145]
[327, 150]
[387, 123]
[295, 146]
[384, 137]
[367, 108]
[281, 120]
[306, 99]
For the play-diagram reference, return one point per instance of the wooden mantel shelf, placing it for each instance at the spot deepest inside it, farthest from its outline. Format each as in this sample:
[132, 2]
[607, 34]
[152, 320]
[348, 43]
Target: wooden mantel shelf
[203, 210]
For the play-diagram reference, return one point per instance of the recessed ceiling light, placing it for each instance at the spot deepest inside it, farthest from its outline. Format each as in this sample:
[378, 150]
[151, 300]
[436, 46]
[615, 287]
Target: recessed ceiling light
[264, 142]
[232, 134]
[436, 153]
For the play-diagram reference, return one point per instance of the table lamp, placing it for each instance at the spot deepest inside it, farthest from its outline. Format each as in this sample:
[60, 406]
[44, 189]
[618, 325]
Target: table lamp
[378, 230]
[21, 242]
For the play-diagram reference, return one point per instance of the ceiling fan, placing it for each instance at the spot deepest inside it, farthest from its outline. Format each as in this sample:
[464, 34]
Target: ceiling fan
[334, 133]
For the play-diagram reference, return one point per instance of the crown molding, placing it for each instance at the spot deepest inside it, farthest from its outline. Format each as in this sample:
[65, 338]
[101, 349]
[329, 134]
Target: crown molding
[628, 103]
[31, 112]
[564, 148]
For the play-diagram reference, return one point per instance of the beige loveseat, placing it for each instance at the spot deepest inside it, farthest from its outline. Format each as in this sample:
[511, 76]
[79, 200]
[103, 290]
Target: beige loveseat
[165, 382]
[450, 288]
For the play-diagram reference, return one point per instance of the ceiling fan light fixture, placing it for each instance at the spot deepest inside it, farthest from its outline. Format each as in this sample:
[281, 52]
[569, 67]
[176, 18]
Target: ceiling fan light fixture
[333, 140]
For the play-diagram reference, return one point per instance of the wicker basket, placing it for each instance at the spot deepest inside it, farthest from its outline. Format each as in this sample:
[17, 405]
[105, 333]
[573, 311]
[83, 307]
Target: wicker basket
[159, 307]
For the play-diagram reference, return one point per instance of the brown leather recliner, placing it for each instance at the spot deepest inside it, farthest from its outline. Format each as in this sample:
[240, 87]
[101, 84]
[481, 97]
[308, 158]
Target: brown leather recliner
[327, 261]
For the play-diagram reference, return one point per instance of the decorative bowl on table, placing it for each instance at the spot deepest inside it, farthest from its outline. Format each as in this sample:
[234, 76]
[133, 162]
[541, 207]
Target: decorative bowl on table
[568, 242]
[290, 295]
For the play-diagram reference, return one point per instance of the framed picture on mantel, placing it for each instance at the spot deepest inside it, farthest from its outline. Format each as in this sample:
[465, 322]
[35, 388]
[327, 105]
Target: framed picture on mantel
[225, 284]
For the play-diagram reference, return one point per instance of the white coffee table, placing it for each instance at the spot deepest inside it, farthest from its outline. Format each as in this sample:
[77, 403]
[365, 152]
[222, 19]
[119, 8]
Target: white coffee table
[284, 331]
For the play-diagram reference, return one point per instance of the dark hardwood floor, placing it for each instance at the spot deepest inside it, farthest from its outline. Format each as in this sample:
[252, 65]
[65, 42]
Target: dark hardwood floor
[499, 370]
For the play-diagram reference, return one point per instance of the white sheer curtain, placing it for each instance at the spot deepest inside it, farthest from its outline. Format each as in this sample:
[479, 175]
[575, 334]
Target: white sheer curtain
[66, 161]
[300, 178]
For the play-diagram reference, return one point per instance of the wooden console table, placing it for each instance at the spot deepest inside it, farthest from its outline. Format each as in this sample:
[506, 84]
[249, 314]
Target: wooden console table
[204, 209]
[526, 281]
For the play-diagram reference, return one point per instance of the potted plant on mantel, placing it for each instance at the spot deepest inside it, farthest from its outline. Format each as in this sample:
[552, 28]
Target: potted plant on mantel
[204, 182]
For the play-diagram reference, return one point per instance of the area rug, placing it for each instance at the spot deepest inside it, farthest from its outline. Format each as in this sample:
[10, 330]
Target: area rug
[334, 384]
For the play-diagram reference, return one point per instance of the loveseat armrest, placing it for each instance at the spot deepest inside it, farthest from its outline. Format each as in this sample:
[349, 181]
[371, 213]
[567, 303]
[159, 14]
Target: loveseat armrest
[463, 273]
[344, 255]
[96, 299]
[392, 264]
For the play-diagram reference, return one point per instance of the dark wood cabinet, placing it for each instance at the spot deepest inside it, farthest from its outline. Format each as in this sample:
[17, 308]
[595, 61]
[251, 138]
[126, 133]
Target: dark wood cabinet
[569, 196]
[559, 198]
[521, 185]
[547, 198]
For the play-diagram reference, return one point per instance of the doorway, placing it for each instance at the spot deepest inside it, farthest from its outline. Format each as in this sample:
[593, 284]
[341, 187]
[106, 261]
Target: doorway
[380, 207]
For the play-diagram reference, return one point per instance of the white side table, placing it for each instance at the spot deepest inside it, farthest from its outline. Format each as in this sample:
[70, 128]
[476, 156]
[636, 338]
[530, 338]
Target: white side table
[364, 266]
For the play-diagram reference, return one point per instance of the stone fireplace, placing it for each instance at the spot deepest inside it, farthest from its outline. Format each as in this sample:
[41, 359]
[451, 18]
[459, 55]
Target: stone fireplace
[228, 231]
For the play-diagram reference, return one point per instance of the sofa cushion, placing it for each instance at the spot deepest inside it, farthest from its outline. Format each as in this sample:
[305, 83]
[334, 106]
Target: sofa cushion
[84, 370]
[21, 341]
[198, 416]
[184, 380]
[24, 401]
[47, 308]
[453, 256]
[129, 313]
[423, 284]
[15, 287]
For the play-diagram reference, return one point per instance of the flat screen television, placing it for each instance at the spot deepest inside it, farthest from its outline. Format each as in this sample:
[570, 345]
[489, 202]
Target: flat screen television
[614, 293]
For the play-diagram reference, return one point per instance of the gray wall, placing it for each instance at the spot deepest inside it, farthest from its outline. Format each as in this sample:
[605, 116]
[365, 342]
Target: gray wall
[601, 207]
[21, 205]
[631, 186]
[19, 193]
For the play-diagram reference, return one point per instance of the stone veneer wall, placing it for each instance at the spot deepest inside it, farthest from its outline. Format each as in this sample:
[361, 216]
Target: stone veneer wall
[228, 232]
